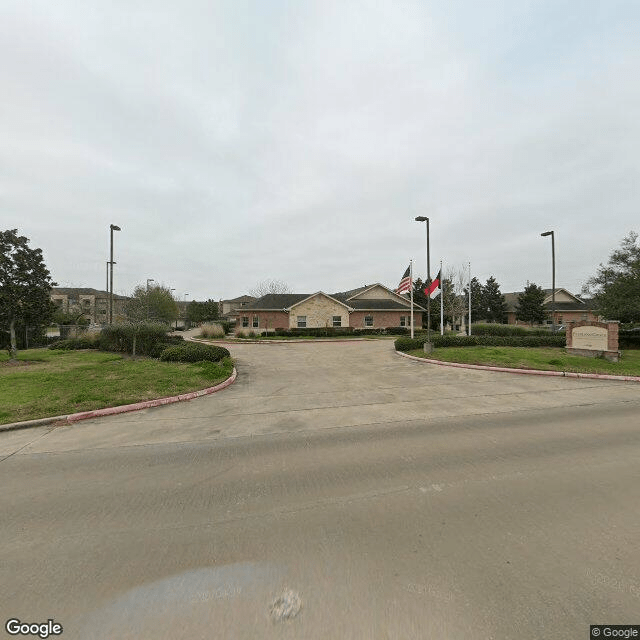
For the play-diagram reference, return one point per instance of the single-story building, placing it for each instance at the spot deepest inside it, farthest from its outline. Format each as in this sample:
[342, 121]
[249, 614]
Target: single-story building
[568, 308]
[371, 306]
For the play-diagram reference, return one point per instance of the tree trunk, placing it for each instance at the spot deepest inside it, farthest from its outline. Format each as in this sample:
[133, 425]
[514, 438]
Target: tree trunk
[134, 345]
[13, 352]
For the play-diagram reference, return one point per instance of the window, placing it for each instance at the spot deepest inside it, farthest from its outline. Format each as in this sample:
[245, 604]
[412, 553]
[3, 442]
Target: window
[337, 321]
[368, 321]
[302, 322]
[403, 321]
[585, 316]
[245, 321]
[255, 321]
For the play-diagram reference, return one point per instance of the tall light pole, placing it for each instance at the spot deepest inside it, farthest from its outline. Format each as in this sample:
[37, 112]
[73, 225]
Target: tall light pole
[148, 281]
[113, 227]
[425, 219]
[185, 310]
[553, 279]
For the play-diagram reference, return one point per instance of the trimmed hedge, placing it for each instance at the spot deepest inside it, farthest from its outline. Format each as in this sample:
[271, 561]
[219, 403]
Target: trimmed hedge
[506, 330]
[194, 352]
[324, 332]
[547, 340]
[629, 339]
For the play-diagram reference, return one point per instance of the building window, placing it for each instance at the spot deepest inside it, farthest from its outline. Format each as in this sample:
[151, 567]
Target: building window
[337, 321]
[585, 317]
[255, 322]
[245, 321]
[403, 321]
[302, 322]
[368, 321]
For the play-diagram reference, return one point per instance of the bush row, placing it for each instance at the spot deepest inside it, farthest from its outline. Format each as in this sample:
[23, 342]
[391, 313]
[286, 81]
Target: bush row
[506, 330]
[548, 340]
[323, 332]
[194, 352]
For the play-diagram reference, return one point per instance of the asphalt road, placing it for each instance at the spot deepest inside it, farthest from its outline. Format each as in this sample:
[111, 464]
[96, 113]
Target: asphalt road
[335, 491]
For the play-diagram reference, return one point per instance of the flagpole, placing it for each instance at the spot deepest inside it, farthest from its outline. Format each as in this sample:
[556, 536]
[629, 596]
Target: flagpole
[469, 331]
[411, 284]
[441, 301]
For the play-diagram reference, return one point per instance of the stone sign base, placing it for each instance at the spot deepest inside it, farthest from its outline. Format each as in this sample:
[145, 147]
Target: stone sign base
[611, 356]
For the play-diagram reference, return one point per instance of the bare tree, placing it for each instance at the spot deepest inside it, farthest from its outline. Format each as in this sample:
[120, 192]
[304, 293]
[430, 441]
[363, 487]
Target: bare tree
[266, 287]
[455, 301]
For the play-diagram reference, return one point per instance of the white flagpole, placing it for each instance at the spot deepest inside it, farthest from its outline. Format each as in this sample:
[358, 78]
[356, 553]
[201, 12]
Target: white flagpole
[441, 300]
[469, 332]
[411, 283]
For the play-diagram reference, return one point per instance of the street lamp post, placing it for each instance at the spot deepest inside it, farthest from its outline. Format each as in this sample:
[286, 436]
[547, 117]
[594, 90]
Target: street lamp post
[553, 279]
[185, 310]
[170, 290]
[113, 227]
[148, 281]
[425, 219]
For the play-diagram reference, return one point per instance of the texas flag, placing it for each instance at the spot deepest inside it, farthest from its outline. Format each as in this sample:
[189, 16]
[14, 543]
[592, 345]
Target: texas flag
[434, 288]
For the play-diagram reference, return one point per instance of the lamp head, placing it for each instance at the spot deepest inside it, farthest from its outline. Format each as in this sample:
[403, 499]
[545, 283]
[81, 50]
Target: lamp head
[115, 227]
[547, 233]
[422, 219]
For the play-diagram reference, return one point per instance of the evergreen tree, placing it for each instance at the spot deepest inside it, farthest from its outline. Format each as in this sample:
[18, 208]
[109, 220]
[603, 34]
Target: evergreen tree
[478, 307]
[531, 304]
[494, 301]
[25, 286]
[202, 311]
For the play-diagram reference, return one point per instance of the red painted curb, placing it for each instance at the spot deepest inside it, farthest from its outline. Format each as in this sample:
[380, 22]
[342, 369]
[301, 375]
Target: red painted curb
[125, 408]
[531, 372]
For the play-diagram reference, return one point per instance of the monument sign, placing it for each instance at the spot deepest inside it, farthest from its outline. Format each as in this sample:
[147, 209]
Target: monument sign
[593, 339]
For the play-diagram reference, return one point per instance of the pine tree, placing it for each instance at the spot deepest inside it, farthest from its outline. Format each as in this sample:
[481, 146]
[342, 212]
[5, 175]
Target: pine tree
[494, 301]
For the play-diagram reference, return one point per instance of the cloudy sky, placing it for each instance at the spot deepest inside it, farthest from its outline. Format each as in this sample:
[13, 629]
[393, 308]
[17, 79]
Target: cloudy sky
[240, 140]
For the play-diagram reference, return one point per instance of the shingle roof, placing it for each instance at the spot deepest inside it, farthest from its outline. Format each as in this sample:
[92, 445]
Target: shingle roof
[585, 305]
[276, 301]
[372, 304]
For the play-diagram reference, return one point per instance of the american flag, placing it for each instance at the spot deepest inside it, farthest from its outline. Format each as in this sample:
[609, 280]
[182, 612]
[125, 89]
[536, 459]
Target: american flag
[405, 283]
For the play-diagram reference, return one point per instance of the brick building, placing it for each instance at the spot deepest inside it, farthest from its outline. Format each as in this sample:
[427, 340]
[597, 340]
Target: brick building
[569, 308]
[93, 304]
[371, 306]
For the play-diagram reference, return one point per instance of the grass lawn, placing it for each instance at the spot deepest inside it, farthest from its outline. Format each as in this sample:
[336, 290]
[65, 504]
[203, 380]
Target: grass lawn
[50, 383]
[545, 358]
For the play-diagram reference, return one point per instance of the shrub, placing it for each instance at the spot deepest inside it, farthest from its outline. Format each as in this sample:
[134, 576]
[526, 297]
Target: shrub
[212, 331]
[629, 338]
[240, 333]
[194, 352]
[226, 326]
[83, 342]
[546, 340]
[121, 337]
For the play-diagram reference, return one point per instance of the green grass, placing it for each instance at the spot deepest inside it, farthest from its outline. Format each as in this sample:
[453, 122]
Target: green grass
[64, 382]
[544, 358]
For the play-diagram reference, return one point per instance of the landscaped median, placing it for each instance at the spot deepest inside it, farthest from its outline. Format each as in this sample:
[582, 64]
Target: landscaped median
[46, 382]
[523, 358]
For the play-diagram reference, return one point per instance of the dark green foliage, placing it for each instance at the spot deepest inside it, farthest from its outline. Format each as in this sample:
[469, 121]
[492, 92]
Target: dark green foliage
[493, 301]
[198, 312]
[83, 342]
[226, 326]
[153, 304]
[531, 305]
[120, 337]
[629, 339]
[194, 352]
[548, 340]
[616, 286]
[506, 330]
[60, 317]
[25, 287]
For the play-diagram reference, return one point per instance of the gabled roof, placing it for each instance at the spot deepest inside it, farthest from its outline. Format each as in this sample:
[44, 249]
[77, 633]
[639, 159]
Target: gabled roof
[242, 299]
[276, 301]
[321, 293]
[575, 305]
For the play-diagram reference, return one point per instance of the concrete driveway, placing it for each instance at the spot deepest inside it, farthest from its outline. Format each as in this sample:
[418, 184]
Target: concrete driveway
[335, 491]
[305, 387]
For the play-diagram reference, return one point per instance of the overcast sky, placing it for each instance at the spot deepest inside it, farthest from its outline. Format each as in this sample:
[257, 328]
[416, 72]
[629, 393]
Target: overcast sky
[237, 141]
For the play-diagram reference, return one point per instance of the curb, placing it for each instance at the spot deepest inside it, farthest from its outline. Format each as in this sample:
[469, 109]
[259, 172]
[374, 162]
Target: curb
[125, 408]
[530, 372]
